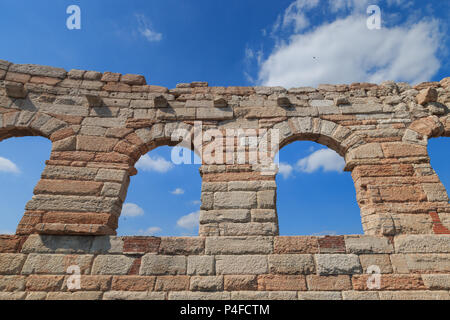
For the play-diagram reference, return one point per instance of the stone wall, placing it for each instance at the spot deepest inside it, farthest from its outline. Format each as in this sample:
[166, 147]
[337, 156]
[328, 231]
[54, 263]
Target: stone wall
[100, 124]
[326, 267]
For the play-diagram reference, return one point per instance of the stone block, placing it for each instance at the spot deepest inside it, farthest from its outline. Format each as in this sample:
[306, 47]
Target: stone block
[245, 264]
[163, 265]
[337, 264]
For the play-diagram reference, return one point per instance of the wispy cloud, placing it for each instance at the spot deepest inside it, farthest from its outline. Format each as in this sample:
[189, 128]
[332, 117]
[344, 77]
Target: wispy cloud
[145, 29]
[325, 159]
[7, 165]
[189, 221]
[295, 14]
[132, 210]
[196, 202]
[285, 170]
[177, 191]
[158, 164]
[149, 231]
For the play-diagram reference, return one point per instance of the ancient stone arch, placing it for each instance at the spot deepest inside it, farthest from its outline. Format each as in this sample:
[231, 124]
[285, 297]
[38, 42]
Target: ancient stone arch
[100, 124]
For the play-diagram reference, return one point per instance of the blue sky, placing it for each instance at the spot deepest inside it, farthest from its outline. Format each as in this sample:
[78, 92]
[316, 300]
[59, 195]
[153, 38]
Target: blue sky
[251, 42]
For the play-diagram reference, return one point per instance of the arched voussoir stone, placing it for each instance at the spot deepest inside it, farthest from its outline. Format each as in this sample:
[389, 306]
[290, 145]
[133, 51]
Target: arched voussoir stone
[27, 123]
[421, 130]
[160, 134]
[321, 131]
[446, 126]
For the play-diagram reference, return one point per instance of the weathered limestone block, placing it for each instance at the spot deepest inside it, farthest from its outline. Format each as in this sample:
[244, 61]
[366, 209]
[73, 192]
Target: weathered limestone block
[91, 295]
[248, 229]
[382, 261]
[56, 263]
[291, 264]
[240, 283]
[328, 283]
[131, 295]
[414, 295]
[427, 95]
[234, 200]
[225, 215]
[337, 264]
[368, 244]
[189, 295]
[110, 264]
[422, 244]
[421, 262]
[206, 283]
[200, 265]
[133, 283]
[238, 245]
[107, 244]
[320, 295]
[172, 283]
[263, 215]
[57, 244]
[264, 295]
[266, 199]
[245, 264]
[72, 203]
[12, 283]
[360, 295]
[11, 263]
[281, 283]
[436, 281]
[37, 70]
[15, 90]
[161, 265]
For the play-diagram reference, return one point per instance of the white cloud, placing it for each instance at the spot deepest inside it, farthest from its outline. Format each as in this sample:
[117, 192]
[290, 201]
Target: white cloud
[189, 221]
[196, 202]
[285, 170]
[7, 232]
[150, 231]
[132, 210]
[355, 5]
[177, 191]
[158, 164]
[145, 29]
[325, 233]
[347, 51]
[7, 165]
[295, 14]
[326, 159]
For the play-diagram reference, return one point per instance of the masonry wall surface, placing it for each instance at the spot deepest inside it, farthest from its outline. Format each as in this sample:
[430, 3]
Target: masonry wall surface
[100, 124]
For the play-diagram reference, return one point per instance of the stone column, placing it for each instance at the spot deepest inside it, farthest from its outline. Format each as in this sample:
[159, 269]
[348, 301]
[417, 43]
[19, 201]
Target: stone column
[237, 201]
[81, 190]
[397, 190]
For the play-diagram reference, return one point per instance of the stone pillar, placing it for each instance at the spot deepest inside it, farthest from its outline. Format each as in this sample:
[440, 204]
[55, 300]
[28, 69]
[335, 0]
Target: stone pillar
[237, 201]
[397, 190]
[81, 190]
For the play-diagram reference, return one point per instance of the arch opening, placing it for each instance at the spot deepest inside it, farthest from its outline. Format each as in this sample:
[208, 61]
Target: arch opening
[163, 199]
[309, 171]
[439, 152]
[22, 161]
